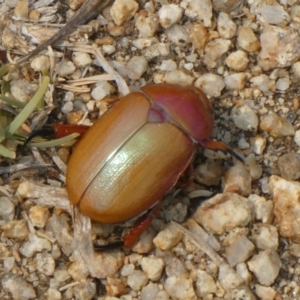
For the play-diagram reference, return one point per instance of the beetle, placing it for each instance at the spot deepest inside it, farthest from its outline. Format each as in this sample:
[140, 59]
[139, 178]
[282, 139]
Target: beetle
[135, 153]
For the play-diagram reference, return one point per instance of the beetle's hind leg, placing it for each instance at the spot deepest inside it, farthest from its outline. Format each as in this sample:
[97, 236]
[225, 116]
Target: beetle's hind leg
[131, 237]
[217, 145]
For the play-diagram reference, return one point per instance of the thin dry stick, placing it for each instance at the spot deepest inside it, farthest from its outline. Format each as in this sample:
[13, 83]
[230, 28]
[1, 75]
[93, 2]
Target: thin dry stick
[86, 13]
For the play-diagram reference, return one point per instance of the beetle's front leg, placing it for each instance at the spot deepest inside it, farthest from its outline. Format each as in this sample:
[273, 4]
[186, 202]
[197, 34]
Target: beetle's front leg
[56, 131]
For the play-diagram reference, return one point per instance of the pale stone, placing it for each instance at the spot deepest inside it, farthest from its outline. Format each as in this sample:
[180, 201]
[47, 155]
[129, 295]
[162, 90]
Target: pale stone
[198, 9]
[247, 40]
[211, 84]
[224, 212]
[226, 27]
[239, 251]
[286, 206]
[123, 10]
[265, 266]
[238, 60]
[167, 238]
[169, 14]
[198, 36]
[236, 81]
[179, 77]
[279, 47]
[276, 125]
[180, 287]
[244, 118]
[214, 50]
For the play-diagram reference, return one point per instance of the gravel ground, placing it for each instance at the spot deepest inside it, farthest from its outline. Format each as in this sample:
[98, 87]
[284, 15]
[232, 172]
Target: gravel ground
[243, 241]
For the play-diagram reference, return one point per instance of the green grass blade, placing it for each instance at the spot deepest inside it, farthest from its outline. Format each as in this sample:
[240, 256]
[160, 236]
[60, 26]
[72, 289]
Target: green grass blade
[56, 142]
[12, 102]
[28, 109]
[7, 153]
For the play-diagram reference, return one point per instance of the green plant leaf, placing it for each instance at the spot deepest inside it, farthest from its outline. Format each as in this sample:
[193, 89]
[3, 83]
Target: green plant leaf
[28, 109]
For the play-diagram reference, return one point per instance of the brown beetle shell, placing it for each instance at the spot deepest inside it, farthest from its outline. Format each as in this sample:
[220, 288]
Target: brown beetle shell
[124, 164]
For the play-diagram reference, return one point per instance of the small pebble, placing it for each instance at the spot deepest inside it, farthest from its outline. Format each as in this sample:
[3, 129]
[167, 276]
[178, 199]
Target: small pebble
[167, 238]
[237, 61]
[21, 10]
[38, 216]
[224, 212]
[179, 77]
[85, 290]
[146, 25]
[137, 280]
[168, 65]
[18, 287]
[211, 84]
[247, 40]
[178, 35]
[214, 50]
[54, 294]
[45, 263]
[263, 83]
[265, 236]
[235, 82]
[237, 179]
[286, 206]
[244, 118]
[258, 144]
[7, 209]
[40, 63]
[265, 293]
[276, 125]
[180, 288]
[239, 250]
[149, 292]
[152, 267]
[33, 245]
[116, 286]
[169, 14]
[21, 90]
[199, 10]
[244, 273]
[265, 266]
[205, 284]
[198, 36]
[16, 229]
[228, 278]
[158, 49]
[137, 66]
[81, 59]
[65, 68]
[123, 10]
[275, 14]
[289, 166]
[226, 27]
[145, 242]
[209, 173]
[109, 49]
[282, 84]
[101, 90]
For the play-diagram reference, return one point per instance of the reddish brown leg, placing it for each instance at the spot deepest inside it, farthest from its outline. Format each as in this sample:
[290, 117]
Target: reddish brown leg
[57, 131]
[142, 224]
[62, 130]
[216, 145]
